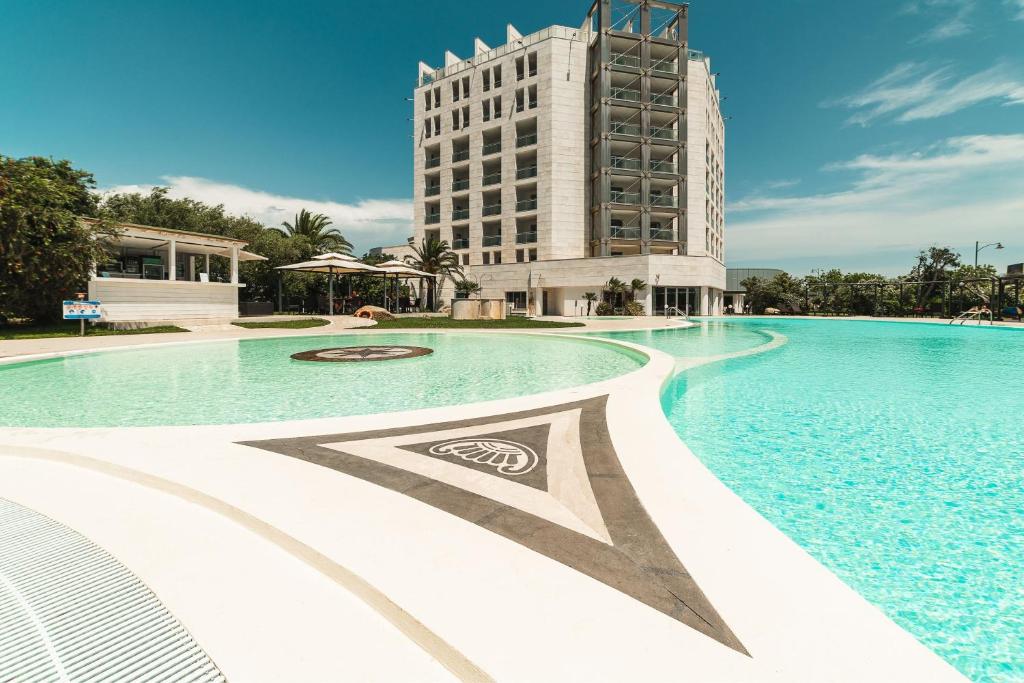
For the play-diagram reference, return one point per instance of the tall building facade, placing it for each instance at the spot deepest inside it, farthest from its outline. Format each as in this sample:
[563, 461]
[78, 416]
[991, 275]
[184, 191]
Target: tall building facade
[573, 155]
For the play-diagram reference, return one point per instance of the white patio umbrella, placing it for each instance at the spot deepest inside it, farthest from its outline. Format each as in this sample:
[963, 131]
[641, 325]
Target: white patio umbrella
[334, 264]
[403, 271]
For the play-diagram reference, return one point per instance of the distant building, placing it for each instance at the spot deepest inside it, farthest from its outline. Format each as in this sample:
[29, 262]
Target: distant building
[572, 155]
[735, 292]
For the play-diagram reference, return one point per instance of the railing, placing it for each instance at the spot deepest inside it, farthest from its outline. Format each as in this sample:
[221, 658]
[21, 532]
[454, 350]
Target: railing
[664, 99]
[525, 140]
[492, 178]
[563, 32]
[492, 240]
[664, 133]
[663, 166]
[492, 147]
[461, 155]
[627, 94]
[526, 237]
[628, 232]
[620, 59]
[460, 185]
[533, 72]
[491, 209]
[526, 205]
[528, 172]
[669, 309]
[625, 128]
[460, 243]
[433, 162]
[460, 214]
[432, 218]
[665, 67]
[627, 163]
[663, 200]
[432, 190]
[664, 234]
[620, 197]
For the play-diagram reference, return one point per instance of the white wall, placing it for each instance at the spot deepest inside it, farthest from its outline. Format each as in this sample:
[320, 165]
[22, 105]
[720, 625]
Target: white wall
[149, 300]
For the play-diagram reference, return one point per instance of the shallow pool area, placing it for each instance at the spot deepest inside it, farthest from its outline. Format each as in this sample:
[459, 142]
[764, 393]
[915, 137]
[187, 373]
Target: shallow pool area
[256, 380]
[892, 452]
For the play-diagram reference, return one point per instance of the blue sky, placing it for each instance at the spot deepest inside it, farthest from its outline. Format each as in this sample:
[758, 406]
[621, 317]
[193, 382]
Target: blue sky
[860, 132]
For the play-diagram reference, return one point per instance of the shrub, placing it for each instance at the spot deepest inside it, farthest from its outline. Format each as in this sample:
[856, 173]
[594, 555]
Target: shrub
[604, 308]
[635, 308]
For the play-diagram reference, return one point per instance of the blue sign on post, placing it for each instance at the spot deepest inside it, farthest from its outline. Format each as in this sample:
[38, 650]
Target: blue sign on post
[82, 310]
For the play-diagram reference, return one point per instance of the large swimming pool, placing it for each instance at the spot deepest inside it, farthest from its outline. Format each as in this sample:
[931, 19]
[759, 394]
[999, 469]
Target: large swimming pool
[892, 452]
[256, 380]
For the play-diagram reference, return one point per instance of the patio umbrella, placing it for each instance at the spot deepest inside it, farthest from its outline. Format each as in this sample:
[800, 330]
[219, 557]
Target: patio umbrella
[403, 271]
[332, 264]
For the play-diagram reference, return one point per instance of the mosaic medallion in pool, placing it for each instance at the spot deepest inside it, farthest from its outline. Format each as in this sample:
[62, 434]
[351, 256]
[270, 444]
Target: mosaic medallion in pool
[358, 354]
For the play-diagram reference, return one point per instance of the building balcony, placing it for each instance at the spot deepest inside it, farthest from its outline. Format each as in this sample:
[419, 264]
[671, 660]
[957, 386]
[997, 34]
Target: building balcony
[432, 218]
[663, 234]
[627, 163]
[492, 178]
[625, 94]
[460, 243]
[668, 68]
[433, 162]
[492, 148]
[663, 167]
[526, 205]
[460, 215]
[663, 200]
[461, 155]
[460, 185]
[625, 232]
[527, 172]
[432, 190]
[526, 237]
[621, 59]
[526, 140]
[619, 128]
[619, 197]
[492, 240]
[670, 134]
[491, 209]
[664, 99]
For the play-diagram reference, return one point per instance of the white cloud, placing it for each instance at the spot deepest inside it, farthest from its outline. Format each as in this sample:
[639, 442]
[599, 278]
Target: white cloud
[1018, 7]
[954, 21]
[366, 223]
[913, 91]
[954, 192]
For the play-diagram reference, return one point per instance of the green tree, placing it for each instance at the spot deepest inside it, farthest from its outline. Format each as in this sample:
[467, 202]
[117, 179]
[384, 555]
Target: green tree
[591, 299]
[46, 252]
[314, 231]
[615, 290]
[934, 268]
[636, 285]
[467, 287]
[433, 256]
[783, 292]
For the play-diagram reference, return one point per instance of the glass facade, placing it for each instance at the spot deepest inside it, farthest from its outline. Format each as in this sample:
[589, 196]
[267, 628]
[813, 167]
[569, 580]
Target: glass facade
[686, 299]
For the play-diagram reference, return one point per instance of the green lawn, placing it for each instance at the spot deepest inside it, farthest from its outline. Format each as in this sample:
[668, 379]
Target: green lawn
[448, 323]
[71, 329]
[284, 324]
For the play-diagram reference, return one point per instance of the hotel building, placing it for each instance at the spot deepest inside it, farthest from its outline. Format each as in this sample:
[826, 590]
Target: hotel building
[572, 155]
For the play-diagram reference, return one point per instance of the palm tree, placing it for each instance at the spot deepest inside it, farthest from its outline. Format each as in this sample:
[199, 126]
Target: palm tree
[637, 285]
[433, 256]
[314, 229]
[615, 287]
[590, 298]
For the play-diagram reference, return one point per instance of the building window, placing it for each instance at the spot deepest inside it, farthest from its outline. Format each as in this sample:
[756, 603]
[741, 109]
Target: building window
[517, 299]
[497, 107]
[437, 125]
[465, 259]
[485, 108]
[533, 96]
[427, 97]
[455, 91]
[520, 97]
[497, 77]
[532, 63]
[465, 116]
[487, 80]
[520, 69]
[519, 255]
[455, 118]
[497, 257]
[533, 254]
[437, 97]
[465, 88]
[487, 258]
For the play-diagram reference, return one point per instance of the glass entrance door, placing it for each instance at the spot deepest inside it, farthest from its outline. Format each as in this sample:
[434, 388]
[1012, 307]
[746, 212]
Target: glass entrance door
[685, 299]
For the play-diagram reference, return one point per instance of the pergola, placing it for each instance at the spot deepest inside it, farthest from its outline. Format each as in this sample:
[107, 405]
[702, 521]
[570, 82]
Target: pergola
[402, 271]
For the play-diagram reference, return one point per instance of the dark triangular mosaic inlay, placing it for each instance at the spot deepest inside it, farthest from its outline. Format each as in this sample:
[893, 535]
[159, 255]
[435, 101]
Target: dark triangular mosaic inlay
[611, 538]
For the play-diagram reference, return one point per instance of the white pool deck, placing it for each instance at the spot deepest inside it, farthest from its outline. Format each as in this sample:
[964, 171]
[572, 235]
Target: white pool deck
[286, 570]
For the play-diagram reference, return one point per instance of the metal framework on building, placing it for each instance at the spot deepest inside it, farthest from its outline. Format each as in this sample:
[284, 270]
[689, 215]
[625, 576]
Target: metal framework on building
[638, 55]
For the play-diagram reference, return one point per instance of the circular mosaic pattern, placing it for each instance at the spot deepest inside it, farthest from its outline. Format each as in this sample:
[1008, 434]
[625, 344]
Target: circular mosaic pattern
[358, 354]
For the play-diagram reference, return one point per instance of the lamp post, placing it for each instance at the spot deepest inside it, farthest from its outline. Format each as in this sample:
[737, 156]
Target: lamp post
[977, 248]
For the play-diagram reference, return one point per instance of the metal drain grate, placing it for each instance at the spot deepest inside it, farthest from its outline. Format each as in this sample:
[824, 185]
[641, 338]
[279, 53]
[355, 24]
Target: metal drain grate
[69, 611]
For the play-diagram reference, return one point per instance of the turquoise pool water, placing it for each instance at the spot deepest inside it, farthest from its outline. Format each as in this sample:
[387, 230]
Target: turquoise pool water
[255, 380]
[892, 452]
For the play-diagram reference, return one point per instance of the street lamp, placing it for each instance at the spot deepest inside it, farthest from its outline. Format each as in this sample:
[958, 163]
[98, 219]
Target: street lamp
[997, 245]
